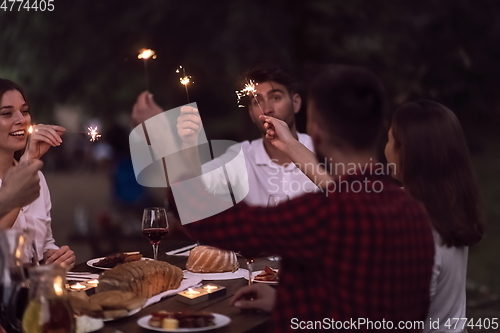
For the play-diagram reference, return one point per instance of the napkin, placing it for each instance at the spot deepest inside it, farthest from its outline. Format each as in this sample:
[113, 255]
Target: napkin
[240, 273]
[81, 276]
[187, 282]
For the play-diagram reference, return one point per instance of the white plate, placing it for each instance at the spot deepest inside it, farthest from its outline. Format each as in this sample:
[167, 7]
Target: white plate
[91, 262]
[219, 320]
[83, 324]
[219, 276]
[254, 274]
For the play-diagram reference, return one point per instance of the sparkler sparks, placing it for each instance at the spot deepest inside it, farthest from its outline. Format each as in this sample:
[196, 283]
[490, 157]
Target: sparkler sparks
[184, 80]
[146, 54]
[94, 135]
[248, 90]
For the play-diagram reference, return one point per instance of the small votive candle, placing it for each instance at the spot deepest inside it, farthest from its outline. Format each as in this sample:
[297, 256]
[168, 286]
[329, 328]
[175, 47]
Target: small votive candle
[192, 293]
[79, 286]
[210, 288]
[93, 283]
[201, 294]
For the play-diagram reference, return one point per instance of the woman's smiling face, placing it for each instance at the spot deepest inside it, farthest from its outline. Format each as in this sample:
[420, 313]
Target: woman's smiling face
[15, 119]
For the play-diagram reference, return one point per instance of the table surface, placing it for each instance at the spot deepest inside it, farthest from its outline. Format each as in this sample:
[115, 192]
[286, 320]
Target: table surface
[240, 321]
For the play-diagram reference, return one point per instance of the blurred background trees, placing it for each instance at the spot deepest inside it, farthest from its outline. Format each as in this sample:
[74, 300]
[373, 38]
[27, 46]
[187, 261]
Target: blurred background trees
[85, 52]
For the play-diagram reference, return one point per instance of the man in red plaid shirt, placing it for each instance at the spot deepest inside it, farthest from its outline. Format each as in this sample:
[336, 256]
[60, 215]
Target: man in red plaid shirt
[357, 256]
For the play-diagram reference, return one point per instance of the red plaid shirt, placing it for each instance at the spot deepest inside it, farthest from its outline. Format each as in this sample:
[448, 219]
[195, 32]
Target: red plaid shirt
[345, 255]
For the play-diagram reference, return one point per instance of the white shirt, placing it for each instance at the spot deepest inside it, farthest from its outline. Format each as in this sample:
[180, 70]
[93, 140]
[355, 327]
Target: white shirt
[264, 176]
[35, 218]
[447, 287]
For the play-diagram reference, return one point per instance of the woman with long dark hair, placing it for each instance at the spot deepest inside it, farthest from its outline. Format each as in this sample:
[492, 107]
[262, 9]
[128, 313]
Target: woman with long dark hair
[428, 148]
[15, 120]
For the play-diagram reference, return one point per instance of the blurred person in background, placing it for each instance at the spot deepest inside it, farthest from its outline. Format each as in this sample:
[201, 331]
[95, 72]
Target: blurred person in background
[15, 120]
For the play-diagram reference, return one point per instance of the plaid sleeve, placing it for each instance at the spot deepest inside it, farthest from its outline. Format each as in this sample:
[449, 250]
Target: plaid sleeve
[295, 229]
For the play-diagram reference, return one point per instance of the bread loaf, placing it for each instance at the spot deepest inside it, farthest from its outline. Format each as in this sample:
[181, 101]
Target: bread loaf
[208, 259]
[145, 278]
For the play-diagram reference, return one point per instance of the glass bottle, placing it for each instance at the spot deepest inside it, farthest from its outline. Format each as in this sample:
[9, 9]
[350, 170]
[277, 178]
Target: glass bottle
[48, 309]
[13, 283]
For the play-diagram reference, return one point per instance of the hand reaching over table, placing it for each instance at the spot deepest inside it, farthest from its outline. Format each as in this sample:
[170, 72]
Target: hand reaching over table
[264, 297]
[63, 255]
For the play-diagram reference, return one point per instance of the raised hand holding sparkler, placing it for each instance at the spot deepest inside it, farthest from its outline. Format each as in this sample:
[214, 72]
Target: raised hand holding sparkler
[40, 138]
[185, 80]
[248, 90]
[146, 54]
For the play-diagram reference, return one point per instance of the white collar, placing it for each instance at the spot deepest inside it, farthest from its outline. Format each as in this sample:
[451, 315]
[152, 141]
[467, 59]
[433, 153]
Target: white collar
[262, 157]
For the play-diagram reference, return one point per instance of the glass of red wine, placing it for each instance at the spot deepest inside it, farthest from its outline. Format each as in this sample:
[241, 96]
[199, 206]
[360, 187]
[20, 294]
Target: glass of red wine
[155, 226]
[250, 258]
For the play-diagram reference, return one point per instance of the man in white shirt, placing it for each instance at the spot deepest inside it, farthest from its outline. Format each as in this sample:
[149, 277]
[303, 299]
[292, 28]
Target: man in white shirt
[268, 170]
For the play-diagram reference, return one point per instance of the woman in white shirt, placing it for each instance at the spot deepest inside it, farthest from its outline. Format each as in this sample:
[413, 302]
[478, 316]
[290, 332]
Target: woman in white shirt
[428, 149]
[15, 119]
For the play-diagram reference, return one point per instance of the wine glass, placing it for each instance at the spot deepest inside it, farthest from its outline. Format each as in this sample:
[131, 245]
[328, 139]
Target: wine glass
[250, 258]
[155, 226]
[275, 200]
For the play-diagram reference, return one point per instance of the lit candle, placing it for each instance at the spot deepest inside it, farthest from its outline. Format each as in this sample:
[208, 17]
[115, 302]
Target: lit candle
[192, 292]
[210, 288]
[78, 286]
[93, 283]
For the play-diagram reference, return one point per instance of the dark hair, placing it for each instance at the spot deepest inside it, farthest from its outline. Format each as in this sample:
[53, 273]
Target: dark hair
[436, 170]
[350, 101]
[270, 72]
[8, 85]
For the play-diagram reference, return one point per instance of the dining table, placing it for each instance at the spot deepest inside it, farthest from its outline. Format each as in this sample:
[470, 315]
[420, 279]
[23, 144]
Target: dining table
[241, 320]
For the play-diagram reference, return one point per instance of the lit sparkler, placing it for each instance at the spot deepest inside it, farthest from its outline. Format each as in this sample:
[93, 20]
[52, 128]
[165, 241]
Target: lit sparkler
[248, 90]
[185, 80]
[146, 54]
[94, 135]
[28, 140]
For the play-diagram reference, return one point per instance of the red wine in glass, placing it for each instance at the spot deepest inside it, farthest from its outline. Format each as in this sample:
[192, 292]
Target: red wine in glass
[155, 235]
[250, 257]
[155, 226]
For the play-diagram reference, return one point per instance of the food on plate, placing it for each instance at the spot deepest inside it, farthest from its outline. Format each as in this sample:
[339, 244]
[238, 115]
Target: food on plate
[144, 278]
[169, 320]
[268, 274]
[80, 303]
[115, 303]
[208, 259]
[117, 259]
[170, 324]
